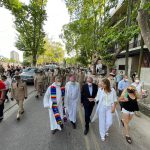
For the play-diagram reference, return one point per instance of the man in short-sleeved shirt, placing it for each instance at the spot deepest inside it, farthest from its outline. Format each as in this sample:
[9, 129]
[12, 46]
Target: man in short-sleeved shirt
[2, 98]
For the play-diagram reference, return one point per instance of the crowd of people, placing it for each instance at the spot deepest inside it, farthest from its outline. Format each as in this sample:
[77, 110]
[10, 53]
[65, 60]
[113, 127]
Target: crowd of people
[65, 88]
[88, 90]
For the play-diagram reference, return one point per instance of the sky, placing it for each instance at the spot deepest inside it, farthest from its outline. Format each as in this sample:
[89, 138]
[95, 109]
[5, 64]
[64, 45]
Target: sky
[57, 16]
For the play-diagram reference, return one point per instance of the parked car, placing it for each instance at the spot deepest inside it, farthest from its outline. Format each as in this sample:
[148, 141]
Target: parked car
[28, 75]
[27, 69]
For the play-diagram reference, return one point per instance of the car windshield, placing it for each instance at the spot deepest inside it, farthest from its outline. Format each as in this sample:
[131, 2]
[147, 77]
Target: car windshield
[26, 70]
[32, 71]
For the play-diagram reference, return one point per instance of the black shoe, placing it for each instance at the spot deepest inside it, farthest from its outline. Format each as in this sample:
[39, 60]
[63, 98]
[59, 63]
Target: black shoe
[54, 131]
[18, 118]
[86, 131]
[73, 125]
[36, 96]
[1, 119]
[22, 112]
[62, 126]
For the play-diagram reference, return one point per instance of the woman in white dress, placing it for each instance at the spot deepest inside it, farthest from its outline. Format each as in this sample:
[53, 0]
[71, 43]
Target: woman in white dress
[106, 106]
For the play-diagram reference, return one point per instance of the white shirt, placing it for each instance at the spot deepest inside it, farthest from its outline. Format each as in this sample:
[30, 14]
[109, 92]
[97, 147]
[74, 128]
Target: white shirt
[138, 87]
[90, 89]
[107, 99]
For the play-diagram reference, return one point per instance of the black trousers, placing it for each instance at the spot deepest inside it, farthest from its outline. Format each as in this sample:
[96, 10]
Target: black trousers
[1, 109]
[6, 96]
[88, 108]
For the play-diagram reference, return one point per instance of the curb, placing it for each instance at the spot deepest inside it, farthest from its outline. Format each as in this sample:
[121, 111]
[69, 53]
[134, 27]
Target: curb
[144, 109]
[16, 103]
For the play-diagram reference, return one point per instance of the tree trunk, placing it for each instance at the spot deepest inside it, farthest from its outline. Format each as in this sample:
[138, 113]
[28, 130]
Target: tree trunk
[108, 70]
[144, 23]
[127, 59]
[34, 59]
[141, 57]
[94, 69]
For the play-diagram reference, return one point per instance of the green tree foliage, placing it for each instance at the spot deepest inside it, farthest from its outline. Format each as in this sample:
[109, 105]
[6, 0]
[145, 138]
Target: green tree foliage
[53, 53]
[71, 61]
[29, 21]
[94, 31]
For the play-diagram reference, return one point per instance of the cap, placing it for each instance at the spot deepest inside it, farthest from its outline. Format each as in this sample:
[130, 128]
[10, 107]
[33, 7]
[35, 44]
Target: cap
[112, 74]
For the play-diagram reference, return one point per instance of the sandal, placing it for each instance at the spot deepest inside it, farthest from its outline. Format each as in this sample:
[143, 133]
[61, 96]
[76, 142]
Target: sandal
[129, 139]
[122, 123]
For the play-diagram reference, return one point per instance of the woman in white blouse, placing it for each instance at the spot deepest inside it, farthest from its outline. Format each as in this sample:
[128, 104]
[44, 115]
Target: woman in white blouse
[107, 102]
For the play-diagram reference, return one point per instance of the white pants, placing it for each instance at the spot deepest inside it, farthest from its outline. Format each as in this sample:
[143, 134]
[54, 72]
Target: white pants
[105, 120]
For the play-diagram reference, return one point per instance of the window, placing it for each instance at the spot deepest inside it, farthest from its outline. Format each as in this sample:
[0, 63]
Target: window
[121, 67]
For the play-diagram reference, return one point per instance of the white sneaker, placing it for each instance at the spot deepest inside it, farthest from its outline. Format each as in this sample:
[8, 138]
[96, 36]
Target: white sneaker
[103, 139]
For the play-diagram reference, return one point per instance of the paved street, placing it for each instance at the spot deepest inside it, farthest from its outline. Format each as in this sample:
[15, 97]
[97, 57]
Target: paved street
[32, 132]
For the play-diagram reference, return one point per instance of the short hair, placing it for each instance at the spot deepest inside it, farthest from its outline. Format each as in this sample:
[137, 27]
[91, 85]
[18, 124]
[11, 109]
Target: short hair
[89, 77]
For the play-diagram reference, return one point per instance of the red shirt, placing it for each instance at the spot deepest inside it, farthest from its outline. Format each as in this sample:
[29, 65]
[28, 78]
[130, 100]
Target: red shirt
[2, 87]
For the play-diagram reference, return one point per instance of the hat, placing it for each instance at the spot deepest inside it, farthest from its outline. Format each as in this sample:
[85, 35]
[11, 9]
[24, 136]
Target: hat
[112, 74]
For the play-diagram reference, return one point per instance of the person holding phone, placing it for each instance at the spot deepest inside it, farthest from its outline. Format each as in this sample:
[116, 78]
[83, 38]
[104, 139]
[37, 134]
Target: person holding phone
[129, 106]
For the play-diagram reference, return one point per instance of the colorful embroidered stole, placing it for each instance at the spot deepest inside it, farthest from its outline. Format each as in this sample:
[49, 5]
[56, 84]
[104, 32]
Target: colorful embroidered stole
[55, 106]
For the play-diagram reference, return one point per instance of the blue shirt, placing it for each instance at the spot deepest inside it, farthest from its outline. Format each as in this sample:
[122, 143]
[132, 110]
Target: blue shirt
[119, 78]
[123, 85]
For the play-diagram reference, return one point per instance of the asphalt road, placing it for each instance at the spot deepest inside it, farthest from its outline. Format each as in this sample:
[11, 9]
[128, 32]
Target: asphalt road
[32, 132]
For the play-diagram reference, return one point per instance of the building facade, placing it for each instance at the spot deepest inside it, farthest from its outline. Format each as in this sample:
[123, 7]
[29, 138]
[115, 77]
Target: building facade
[14, 56]
[134, 50]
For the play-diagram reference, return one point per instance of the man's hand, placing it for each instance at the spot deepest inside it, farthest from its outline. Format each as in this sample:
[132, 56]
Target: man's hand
[91, 99]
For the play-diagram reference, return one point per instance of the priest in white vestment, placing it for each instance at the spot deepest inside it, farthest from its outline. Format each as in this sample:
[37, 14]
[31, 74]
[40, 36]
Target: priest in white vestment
[54, 126]
[72, 97]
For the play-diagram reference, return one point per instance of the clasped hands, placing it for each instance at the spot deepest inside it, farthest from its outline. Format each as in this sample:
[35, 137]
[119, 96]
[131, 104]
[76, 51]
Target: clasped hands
[91, 99]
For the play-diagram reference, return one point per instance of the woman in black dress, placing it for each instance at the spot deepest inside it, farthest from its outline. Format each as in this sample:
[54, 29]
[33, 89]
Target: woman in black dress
[129, 106]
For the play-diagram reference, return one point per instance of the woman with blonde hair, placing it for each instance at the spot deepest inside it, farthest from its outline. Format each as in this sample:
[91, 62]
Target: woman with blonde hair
[129, 106]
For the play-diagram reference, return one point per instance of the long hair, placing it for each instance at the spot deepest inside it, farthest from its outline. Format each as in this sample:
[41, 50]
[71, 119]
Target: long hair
[107, 83]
